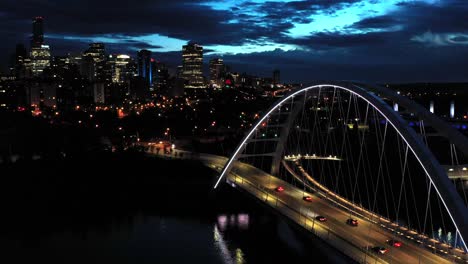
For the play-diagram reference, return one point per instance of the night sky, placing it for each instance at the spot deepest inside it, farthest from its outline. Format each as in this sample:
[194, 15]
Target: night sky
[371, 40]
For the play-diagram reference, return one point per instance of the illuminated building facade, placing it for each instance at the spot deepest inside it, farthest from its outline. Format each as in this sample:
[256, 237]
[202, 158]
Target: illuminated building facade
[160, 75]
[96, 55]
[145, 70]
[119, 68]
[97, 51]
[192, 71]
[21, 67]
[40, 53]
[217, 72]
[40, 59]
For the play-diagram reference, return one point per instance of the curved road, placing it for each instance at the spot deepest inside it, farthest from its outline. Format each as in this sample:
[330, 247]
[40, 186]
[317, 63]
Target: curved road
[351, 240]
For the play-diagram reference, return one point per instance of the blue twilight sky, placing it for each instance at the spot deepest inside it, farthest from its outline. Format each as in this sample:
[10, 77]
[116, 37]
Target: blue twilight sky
[371, 40]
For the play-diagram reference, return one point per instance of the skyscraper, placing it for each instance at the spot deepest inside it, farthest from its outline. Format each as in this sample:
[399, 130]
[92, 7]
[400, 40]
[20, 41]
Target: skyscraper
[97, 51]
[160, 75]
[144, 66]
[192, 59]
[276, 77]
[96, 55]
[40, 53]
[117, 68]
[40, 57]
[217, 72]
[21, 55]
[88, 68]
[37, 39]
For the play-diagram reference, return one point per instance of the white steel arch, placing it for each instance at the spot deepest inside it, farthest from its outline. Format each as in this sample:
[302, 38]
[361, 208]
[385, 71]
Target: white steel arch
[433, 170]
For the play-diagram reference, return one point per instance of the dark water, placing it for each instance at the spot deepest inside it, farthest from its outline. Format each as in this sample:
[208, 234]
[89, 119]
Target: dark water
[188, 224]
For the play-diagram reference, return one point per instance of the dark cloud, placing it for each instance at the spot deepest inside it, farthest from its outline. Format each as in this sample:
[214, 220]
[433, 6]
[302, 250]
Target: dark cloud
[381, 47]
[380, 22]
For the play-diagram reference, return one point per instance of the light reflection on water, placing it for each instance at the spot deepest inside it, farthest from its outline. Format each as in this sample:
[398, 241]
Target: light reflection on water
[239, 221]
[236, 221]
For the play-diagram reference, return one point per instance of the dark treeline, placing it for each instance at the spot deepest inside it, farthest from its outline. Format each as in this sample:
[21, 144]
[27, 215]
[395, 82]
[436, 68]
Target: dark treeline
[98, 187]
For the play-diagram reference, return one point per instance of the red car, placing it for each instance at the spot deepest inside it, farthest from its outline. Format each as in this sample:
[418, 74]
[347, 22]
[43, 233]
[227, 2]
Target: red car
[321, 218]
[352, 222]
[394, 243]
[279, 189]
[307, 198]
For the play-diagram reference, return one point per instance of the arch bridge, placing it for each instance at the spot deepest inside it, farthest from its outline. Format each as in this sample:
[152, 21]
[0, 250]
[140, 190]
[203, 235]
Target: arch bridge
[341, 151]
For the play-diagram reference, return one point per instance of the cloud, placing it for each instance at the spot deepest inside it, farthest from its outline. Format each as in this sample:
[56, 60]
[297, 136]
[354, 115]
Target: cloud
[302, 37]
[441, 39]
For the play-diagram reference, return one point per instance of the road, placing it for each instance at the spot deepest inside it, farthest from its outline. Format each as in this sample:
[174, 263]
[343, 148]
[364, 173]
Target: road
[348, 239]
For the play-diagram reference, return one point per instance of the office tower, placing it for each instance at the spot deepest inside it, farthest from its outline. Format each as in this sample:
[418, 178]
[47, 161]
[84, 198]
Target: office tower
[179, 71]
[75, 59]
[40, 59]
[59, 65]
[40, 53]
[276, 77]
[144, 66]
[117, 68]
[88, 68]
[21, 57]
[192, 72]
[99, 93]
[217, 72]
[37, 39]
[97, 53]
[160, 75]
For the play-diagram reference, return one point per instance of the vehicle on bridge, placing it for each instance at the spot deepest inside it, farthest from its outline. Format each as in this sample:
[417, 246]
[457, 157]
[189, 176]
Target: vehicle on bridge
[352, 222]
[279, 189]
[307, 198]
[394, 243]
[321, 218]
[380, 250]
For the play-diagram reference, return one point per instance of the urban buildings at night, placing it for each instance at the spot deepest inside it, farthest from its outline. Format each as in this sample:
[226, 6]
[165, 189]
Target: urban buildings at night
[40, 53]
[192, 63]
[217, 72]
[266, 131]
[145, 68]
[37, 39]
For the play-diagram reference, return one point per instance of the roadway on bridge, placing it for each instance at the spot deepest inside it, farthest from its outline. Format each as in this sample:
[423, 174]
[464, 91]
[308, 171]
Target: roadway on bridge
[366, 234]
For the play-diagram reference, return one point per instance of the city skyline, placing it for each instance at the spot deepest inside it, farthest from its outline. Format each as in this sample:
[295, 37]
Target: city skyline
[396, 41]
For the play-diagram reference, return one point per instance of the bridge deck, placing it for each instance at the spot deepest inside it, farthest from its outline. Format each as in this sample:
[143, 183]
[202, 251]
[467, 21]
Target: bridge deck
[350, 240]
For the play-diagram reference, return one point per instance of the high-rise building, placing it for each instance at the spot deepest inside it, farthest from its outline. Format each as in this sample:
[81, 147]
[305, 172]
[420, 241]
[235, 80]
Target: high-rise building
[21, 56]
[160, 75]
[276, 77]
[75, 59]
[40, 59]
[192, 72]
[145, 70]
[179, 71]
[37, 39]
[88, 68]
[40, 53]
[217, 72]
[97, 53]
[99, 93]
[59, 65]
[117, 68]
